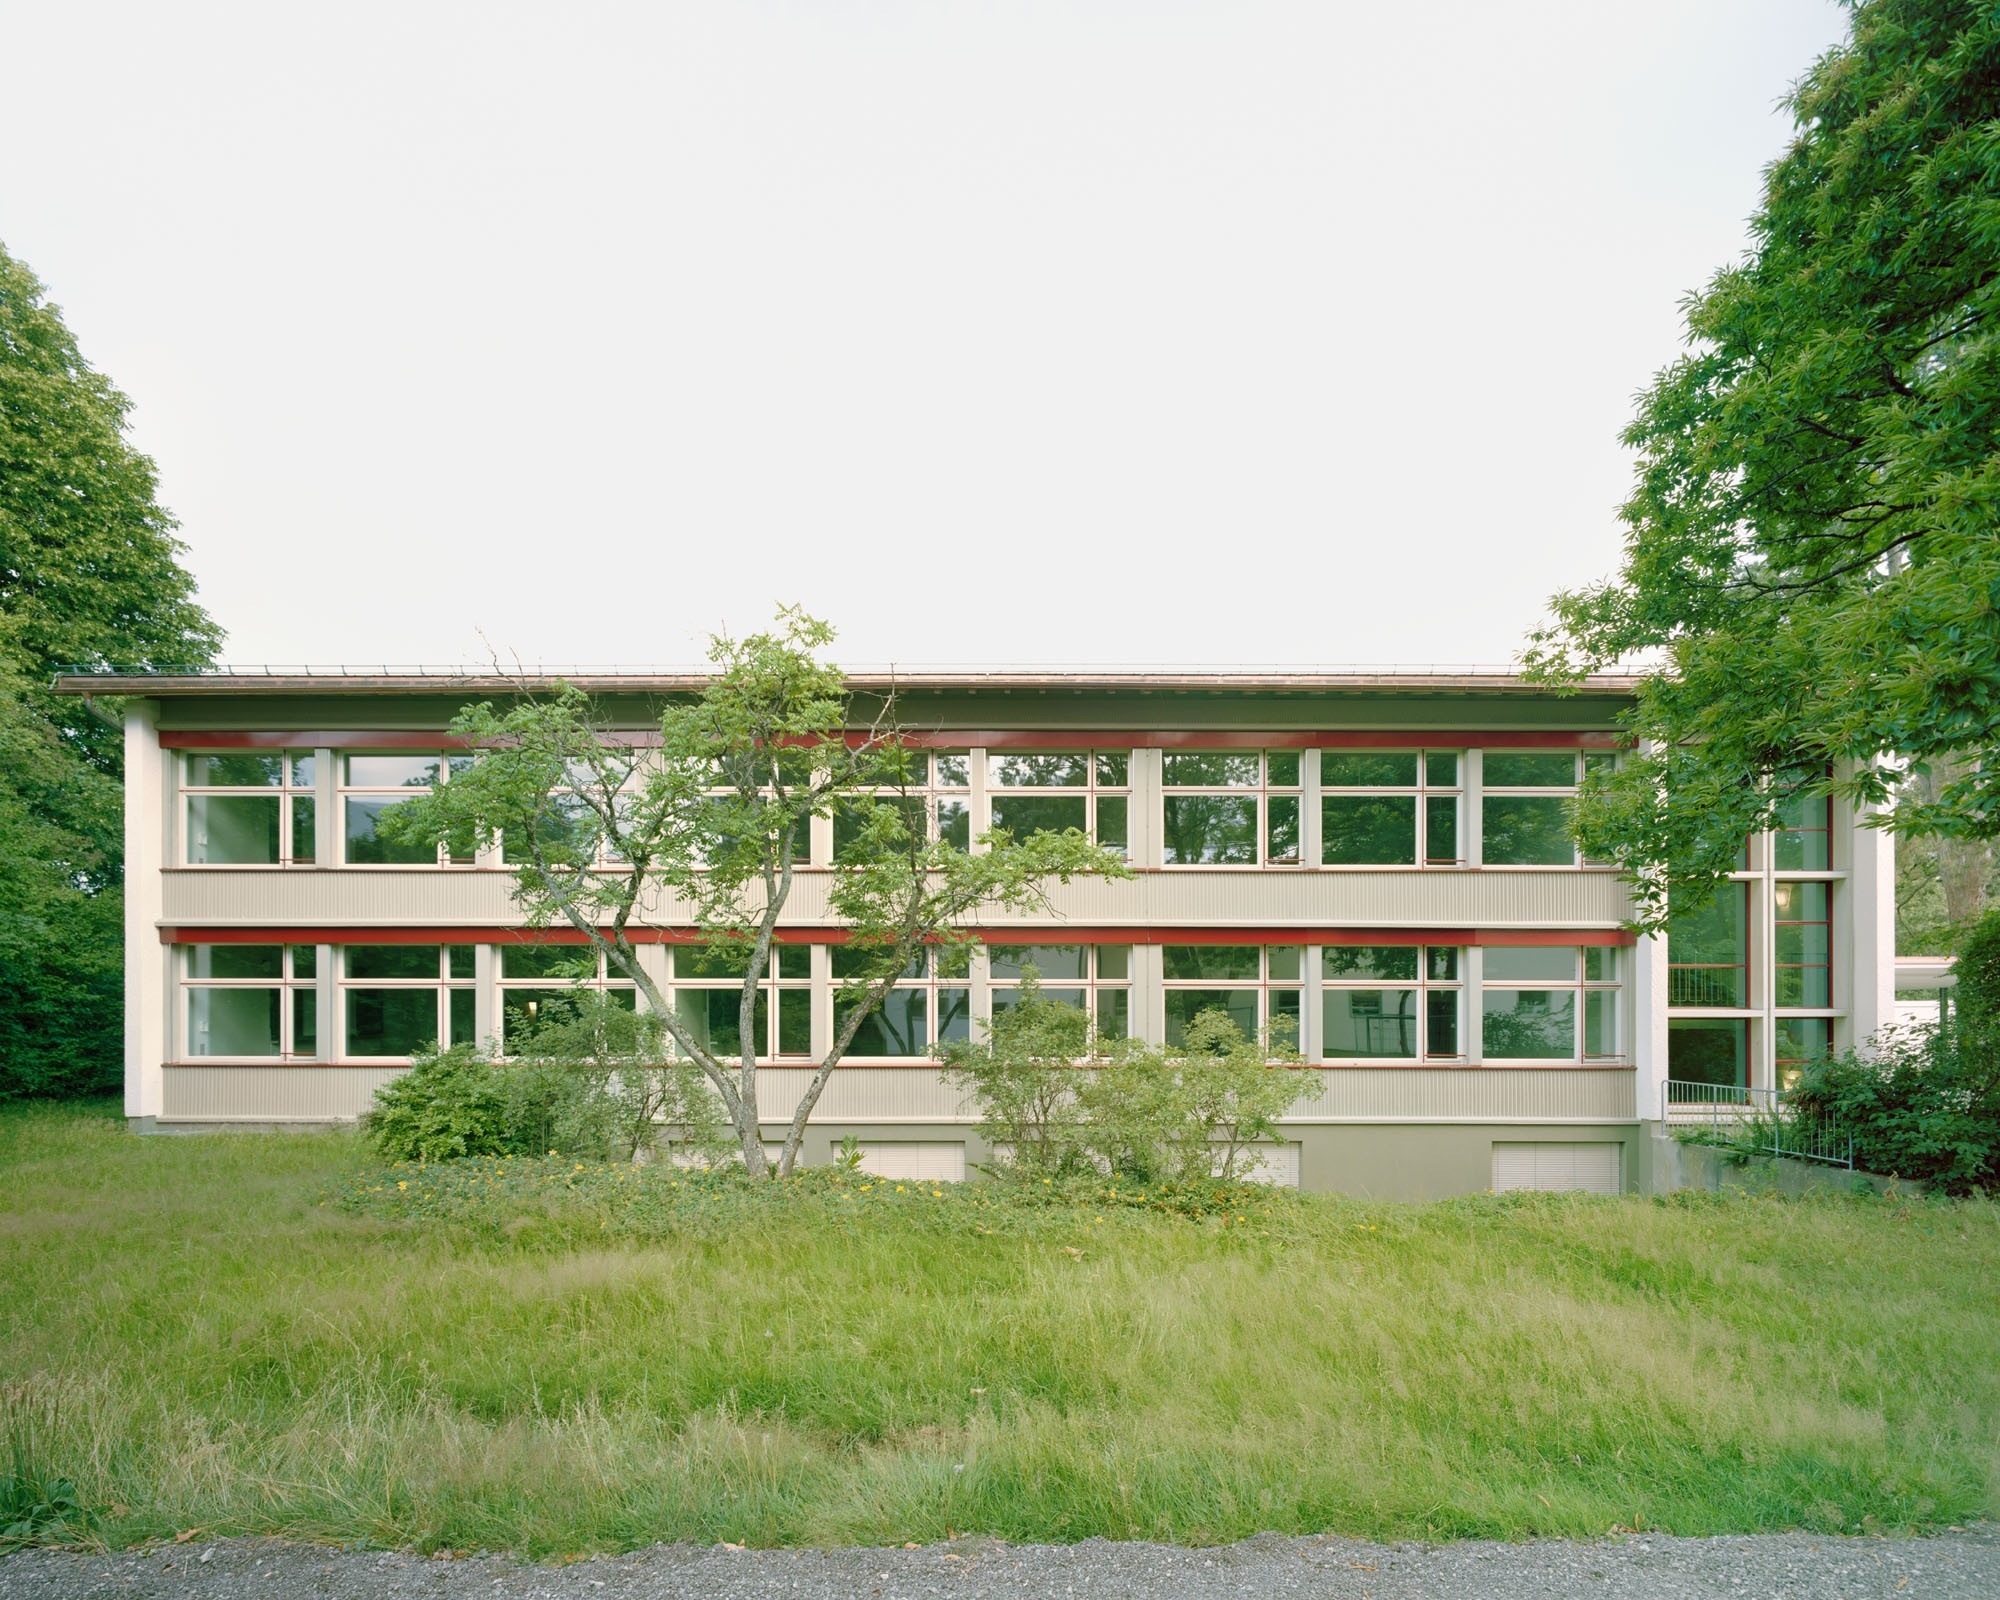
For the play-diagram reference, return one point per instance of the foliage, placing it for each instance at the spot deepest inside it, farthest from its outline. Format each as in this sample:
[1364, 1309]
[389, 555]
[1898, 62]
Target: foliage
[37, 1505]
[1919, 1104]
[89, 574]
[1812, 556]
[471, 1365]
[708, 825]
[1976, 993]
[449, 1104]
[1028, 1076]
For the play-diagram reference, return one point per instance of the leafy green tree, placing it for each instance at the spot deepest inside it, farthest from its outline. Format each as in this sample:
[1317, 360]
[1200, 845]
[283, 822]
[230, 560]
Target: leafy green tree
[1813, 548]
[1028, 1076]
[708, 825]
[89, 574]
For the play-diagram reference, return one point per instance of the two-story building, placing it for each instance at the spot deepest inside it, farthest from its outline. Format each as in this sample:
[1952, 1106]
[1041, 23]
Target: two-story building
[1379, 857]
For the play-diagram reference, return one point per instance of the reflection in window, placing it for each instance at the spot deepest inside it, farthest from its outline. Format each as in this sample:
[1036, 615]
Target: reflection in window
[1415, 820]
[1254, 986]
[1528, 830]
[249, 809]
[1051, 791]
[1231, 807]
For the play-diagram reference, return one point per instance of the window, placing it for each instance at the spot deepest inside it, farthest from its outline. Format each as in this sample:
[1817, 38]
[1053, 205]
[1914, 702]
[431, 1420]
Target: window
[251, 1000]
[1388, 1002]
[249, 810]
[1803, 839]
[373, 783]
[934, 787]
[1549, 1003]
[1708, 1050]
[1231, 808]
[398, 999]
[1800, 1040]
[538, 983]
[1093, 978]
[930, 1004]
[1524, 808]
[1048, 791]
[1256, 986]
[1389, 808]
[1708, 951]
[1802, 944]
[708, 1001]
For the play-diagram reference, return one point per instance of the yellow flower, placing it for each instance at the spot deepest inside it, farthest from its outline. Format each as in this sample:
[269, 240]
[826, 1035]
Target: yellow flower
[402, 1183]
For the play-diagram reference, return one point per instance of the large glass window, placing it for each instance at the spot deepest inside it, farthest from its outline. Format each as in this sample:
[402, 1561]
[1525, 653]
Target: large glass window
[1049, 791]
[931, 789]
[1549, 1003]
[1389, 808]
[1708, 1050]
[1094, 978]
[254, 1001]
[374, 783]
[540, 983]
[1803, 839]
[1800, 1041]
[1230, 807]
[930, 1004]
[1389, 1002]
[708, 1001]
[249, 809]
[1708, 951]
[1255, 986]
[1802, 944]
[400, 999]
[1524, 807]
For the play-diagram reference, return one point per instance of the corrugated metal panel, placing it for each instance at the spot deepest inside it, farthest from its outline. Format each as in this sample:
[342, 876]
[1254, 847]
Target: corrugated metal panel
[1591, 1167]
[1470, 1094]
[1194, 898]
[1278, 1164]
[271, 1094]
[925, 1162]
[864, 1094]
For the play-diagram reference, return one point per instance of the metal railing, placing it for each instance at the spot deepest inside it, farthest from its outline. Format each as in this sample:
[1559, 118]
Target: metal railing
[1759, 1121]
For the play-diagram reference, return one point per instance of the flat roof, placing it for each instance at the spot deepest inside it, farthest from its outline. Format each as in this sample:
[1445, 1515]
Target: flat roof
[366, 679]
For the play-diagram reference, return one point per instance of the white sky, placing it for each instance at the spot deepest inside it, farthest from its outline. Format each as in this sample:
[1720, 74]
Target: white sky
[1220, 333]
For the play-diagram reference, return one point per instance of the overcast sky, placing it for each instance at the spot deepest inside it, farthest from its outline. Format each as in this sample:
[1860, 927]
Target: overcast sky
[1219, 333]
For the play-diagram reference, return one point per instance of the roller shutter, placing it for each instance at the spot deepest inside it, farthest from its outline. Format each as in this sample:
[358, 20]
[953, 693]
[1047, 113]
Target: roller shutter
[1592, 1168]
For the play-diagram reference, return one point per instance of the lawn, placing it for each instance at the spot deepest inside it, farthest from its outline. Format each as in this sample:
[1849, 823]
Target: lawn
[262, 1334]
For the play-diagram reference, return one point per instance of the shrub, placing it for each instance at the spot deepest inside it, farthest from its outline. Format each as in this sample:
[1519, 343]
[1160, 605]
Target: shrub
[1027, 1077]
[451, 1103]
[1919, 1105]
[1977, 992]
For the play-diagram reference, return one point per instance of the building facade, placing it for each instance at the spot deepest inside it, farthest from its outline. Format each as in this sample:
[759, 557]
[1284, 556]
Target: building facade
[1380, 857]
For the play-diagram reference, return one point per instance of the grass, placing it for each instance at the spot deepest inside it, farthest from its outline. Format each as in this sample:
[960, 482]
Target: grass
[263, 1335]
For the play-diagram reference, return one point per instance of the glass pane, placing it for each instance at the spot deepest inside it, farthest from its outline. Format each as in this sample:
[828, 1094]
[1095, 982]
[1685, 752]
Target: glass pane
[952, 769]
[1600, 963]
[214, 770]
[1708, 1050]
[1368, 830]
[1441, 1022]
[544, 961]
[699, 961]
[1114, 961]
[236, 961]
[1114, 1013]
[955, 823]
[1003, 999]
[714, 1016]
[1211, 769]
[952, 961]
[1281, 769]
[464, 1011]
[1369, 1022]
[1281, 837]
[954, 1014]
[1441, 828]
[1527, 832]
[1051, 961]
[1368, 769]
[1801, 902]
[864, 961]
[1600, 1022]
[462, 960]
[1441, 963]
[305, 1022]
[1530, 1024]
[305, 960]
[305, 769]
[393, 961]
[1599, 761]
[305, 828]
[1349, 962]
[1708, 951]
[1184, 1005]
[1801, 1039]
[1057, 769]
[1800, 985]
[794, 1021]
[1113, 769]
[232, 830]
[1210, 961]
[899, 1028]
[232, 1022]
[1025, 814]
[391, 1022]
[1212, 830]
[1282, 962]
[1283, 1009]
[1530, 769]
[1800, 844]
[364, 845]
[1531, 963]
[1441, 769]
[392, 771]
[1112, 831]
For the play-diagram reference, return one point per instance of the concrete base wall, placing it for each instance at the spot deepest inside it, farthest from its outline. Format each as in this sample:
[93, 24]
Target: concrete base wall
[1670, 1165]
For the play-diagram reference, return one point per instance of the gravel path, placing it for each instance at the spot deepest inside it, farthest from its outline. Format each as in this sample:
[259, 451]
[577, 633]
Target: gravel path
[1952, 1566]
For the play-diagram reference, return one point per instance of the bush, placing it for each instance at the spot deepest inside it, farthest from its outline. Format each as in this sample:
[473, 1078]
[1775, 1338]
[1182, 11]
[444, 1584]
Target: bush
[451, 1103]
[1918, 1103]
[1028, 1078]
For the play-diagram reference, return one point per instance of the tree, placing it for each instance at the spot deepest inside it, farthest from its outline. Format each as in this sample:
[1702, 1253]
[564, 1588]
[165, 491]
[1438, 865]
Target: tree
[1812, 551]
[708, 824]
[89, 574]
